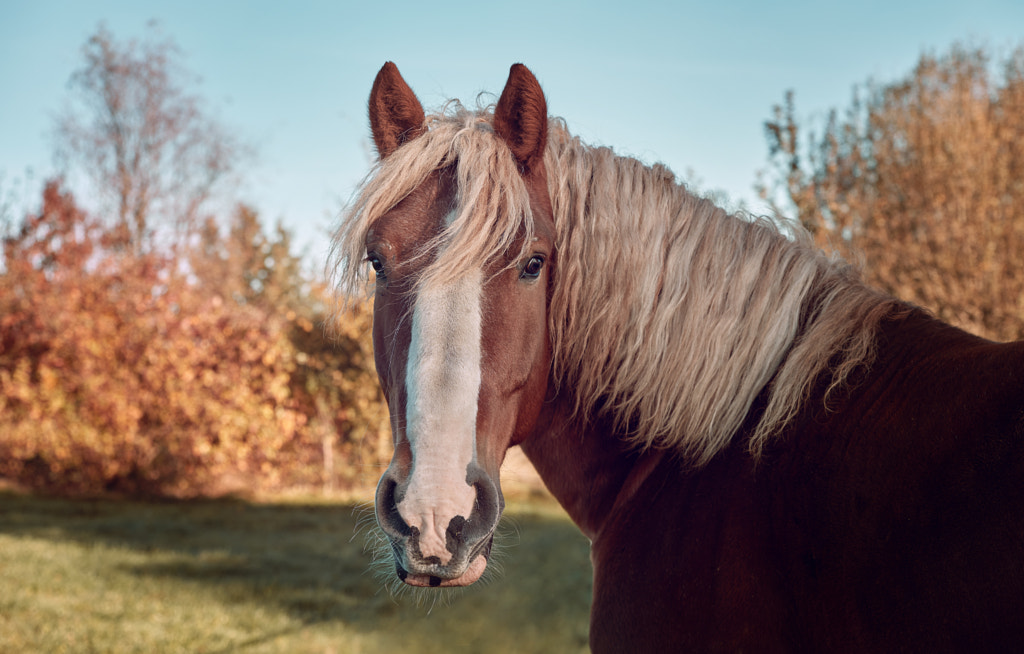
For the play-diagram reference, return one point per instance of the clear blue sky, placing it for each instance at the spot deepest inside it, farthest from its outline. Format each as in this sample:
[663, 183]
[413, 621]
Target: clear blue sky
[685, 83]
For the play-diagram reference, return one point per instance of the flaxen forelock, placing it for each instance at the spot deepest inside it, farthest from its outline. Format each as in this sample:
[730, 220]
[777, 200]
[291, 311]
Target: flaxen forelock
[492, 207]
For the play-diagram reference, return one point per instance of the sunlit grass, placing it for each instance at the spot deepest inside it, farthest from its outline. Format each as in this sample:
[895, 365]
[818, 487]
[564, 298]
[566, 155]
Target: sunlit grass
[109, 576]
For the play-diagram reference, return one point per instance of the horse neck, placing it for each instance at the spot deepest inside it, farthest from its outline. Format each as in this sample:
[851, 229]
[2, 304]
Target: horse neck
[589, 467]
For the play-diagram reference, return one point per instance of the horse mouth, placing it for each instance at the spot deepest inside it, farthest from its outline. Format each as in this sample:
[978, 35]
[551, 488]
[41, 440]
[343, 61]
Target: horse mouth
[472, 574]
[438, 576]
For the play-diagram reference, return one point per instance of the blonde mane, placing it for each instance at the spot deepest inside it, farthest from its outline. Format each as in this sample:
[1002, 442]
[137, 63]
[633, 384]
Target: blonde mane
[665, 310]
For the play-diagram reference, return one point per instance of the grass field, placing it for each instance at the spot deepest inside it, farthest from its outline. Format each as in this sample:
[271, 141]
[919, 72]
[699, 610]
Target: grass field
[226, 576]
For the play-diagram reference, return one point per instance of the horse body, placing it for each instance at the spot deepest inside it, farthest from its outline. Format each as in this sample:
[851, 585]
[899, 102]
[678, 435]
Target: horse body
[766, 454]
[887, 522]
[909, 535]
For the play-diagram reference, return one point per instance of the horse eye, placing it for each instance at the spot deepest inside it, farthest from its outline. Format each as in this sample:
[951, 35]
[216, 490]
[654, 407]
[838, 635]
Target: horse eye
[532, 268]
[376, 264]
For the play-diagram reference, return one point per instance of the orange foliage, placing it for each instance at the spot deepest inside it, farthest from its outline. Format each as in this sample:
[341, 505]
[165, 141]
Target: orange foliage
[924, 183]
[118, 374]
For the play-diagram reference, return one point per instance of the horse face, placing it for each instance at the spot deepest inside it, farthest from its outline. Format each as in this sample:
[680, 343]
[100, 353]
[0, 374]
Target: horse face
[464, 364]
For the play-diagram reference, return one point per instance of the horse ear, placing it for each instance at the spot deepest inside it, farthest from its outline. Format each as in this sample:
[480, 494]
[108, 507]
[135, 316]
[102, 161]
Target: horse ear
[521, 117]
[396, 115]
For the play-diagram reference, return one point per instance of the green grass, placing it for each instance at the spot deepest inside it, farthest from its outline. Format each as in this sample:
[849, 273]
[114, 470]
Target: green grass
[114, 576]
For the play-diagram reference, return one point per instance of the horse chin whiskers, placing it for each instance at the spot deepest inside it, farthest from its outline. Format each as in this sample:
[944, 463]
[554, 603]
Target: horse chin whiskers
[366, 522]
[422, 598]
[384, 568]
[506, 536]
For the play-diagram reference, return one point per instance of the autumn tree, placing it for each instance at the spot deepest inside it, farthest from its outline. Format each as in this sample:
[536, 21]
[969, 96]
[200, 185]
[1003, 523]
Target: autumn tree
[333, 381]
[246, 264]
[142, 366]
[142, 139]
[120, 373]
[921, 180]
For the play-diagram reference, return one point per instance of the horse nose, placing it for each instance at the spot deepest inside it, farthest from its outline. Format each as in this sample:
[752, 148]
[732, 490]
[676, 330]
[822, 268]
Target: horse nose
[430, 530]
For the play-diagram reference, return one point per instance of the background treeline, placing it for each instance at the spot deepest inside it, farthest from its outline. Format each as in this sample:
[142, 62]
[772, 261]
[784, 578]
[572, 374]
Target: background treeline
[153, 347]
[151, 374]
[159, 345]
[922, 181]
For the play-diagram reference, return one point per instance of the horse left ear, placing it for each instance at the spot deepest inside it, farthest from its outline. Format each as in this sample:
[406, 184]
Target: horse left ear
[396, 115]
[521, 117]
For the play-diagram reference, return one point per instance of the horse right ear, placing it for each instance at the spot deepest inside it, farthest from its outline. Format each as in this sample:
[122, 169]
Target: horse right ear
[521, 117]
[396, 115]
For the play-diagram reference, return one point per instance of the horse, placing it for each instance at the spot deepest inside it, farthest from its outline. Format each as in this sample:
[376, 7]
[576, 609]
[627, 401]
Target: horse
[766, 454]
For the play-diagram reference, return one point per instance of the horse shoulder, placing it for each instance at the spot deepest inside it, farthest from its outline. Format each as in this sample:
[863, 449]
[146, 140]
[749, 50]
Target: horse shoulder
[900, 508]
[686, 564]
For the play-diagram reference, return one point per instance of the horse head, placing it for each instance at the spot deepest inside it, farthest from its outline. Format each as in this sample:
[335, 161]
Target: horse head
[461, 346]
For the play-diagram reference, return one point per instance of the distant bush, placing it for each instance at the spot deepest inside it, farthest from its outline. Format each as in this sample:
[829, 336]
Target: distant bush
[148, 350]
[120, 373]
[922, 179]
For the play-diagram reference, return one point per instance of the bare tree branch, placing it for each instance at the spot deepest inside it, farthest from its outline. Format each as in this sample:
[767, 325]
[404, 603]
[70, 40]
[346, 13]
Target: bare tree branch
[143, 141]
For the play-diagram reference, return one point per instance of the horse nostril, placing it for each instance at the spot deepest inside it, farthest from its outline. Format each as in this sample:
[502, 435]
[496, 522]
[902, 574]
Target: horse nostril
[488, 507]
[453, 535]
[388, 517]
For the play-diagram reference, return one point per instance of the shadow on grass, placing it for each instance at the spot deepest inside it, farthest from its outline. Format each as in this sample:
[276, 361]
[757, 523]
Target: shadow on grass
[307, 560]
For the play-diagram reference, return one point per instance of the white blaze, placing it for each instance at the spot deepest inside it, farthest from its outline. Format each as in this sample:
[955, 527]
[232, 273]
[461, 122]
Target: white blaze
[443, 384]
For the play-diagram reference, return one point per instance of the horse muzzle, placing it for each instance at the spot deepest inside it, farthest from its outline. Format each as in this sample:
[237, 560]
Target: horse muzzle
[433, 543]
